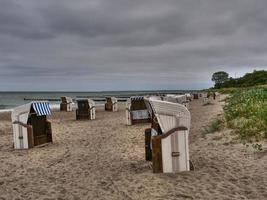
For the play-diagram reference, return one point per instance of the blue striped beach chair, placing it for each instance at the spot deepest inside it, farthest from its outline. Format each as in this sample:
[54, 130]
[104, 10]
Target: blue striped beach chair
[30, 125]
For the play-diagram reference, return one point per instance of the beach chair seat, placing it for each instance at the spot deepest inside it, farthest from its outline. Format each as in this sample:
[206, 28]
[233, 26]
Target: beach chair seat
[170, 150]
[111, 104]
[86, 109]
[30, 125]
[136, 111]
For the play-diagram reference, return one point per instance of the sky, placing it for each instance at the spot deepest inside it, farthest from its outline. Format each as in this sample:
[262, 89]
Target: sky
[102, 45]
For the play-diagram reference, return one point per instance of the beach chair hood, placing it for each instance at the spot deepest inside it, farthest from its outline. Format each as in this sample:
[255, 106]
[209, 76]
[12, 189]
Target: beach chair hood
[175, 98]
[170, 115]
[114, 99]
[21, 113]
[91, 103]
[133, 98]
[68, 99]
[148, 106]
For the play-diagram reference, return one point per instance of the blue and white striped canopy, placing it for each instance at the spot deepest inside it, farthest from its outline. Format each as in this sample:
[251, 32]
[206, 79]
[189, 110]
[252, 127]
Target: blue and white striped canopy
[137, 98]
[41, 108]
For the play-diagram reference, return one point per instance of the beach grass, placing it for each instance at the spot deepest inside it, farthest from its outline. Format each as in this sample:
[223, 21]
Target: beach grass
[232, 90]
[214, 126]
[246, 113]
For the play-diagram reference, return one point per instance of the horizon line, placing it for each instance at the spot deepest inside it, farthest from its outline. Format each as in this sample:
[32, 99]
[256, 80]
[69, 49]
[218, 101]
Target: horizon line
[106, 90]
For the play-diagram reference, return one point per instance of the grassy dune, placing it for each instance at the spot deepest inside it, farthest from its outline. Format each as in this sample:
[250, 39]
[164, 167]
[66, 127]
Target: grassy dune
[246, 114]
[232, 90]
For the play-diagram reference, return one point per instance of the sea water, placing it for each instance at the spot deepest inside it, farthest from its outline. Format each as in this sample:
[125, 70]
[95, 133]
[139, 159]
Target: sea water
[9, 100]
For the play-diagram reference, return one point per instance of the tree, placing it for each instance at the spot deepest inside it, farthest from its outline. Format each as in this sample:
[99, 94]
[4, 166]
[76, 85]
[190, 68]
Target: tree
[219, 78]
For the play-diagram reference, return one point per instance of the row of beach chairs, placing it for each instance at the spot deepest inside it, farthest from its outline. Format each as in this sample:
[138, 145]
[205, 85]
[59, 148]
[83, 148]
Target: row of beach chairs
[166, 141]
[67, 103]
[31, 127]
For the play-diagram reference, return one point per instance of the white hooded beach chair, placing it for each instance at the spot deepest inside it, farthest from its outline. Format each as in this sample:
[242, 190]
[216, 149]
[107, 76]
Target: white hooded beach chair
[170, 148]
[30, 125]
[206, 100]
[86, 109]
[111, 104]
[181, 99]
[66, 104]
[189, 97]
[136, 111]
[196, 96]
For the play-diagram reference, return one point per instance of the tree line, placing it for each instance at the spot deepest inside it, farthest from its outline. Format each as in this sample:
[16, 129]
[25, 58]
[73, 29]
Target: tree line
[222, 79]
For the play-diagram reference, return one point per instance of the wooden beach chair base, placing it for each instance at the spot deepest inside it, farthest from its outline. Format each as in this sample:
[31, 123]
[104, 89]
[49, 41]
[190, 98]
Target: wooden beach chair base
[140, 121]
[82, 116]
[168, 154]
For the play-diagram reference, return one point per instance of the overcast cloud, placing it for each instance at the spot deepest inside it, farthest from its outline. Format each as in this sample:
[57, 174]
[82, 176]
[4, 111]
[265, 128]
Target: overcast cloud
[128, 44]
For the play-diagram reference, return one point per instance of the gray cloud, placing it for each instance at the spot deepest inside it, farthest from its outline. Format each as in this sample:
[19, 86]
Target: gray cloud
[135, 44]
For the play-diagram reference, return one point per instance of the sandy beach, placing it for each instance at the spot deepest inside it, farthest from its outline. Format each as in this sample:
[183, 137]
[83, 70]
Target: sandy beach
[105, 159]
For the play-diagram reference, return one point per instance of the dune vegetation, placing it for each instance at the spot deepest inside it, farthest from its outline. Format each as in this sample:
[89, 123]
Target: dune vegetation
[246, 105]
[246, 114]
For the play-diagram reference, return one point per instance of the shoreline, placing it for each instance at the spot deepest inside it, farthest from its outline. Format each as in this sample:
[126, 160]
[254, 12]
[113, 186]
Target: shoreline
[54, 107]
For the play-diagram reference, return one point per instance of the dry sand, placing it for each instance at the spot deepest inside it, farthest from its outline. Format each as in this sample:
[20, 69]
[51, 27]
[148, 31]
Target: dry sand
[104, 159]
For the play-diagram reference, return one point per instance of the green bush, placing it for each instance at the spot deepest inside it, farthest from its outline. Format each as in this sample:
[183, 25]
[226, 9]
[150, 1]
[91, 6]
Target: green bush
[215, 125]
[246, 113]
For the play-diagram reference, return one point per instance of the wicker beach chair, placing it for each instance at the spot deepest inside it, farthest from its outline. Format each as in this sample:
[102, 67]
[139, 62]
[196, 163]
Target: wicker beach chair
[86, 109]
[195, 96]
[30, 125]
[111, 104]
[206, 100]
[170, 148]
[181, 99]
[136, 111]
[66, 104]
[189, 97]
